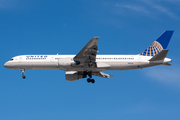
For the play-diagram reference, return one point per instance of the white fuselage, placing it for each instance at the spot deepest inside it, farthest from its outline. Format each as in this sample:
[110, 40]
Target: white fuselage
[66, 62]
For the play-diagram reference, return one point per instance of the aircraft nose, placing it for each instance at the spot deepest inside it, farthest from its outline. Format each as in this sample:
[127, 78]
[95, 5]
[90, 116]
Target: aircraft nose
[6, 65]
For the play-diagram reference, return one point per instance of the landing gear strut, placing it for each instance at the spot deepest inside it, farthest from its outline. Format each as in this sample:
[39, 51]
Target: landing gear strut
[23, 76]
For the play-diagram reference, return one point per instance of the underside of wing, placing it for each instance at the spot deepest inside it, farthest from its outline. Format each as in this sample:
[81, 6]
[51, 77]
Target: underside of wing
[76, 75]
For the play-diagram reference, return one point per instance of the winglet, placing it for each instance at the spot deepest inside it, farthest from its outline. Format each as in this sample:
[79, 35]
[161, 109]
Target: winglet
[160, 56]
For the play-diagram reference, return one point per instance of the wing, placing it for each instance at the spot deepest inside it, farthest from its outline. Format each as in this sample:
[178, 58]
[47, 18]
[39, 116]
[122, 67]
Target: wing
[88, 54]
[101, 74]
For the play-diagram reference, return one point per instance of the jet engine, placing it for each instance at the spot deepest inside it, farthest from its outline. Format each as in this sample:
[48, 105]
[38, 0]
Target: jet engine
[74, 75]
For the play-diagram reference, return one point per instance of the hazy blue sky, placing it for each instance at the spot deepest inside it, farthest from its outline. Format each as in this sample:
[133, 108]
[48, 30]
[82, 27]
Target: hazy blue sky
[64, 27]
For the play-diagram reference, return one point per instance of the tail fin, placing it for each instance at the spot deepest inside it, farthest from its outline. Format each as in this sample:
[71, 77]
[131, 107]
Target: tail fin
[158, 45]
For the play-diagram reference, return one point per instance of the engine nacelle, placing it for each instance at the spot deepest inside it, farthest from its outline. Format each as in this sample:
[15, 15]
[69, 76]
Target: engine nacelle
[74, 75]
[65, 62]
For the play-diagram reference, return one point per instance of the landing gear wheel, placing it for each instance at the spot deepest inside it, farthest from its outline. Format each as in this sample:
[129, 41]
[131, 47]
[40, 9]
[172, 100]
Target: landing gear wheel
[23, 72]
[23, 76]
[92, 80]
[88, 80]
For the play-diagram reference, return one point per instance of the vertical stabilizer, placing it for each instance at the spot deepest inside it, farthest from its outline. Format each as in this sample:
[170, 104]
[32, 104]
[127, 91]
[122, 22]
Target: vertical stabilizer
[158, 45]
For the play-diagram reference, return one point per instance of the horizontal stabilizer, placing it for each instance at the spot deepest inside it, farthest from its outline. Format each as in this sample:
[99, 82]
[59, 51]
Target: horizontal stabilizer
[166, 64]
[101, 74]
[160, 56]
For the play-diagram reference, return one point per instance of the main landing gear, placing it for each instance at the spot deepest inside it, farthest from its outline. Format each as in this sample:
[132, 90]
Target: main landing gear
[90, 77]
[90, 80]
[23, 76]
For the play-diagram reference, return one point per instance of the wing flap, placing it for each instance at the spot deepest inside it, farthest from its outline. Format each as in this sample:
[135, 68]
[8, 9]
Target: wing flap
[101, 74]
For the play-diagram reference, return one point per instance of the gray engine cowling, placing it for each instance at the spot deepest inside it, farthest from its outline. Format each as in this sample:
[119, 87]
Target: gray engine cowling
[74, 75]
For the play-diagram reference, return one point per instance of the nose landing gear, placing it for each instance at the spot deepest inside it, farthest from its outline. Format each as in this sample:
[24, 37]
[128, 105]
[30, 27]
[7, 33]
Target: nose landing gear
[23, 76]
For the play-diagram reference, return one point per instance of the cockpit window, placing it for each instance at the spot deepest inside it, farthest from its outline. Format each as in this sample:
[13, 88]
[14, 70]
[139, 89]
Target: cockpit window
[11, 59]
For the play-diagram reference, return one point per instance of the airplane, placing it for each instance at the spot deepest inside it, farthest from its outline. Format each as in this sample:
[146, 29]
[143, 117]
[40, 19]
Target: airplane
[87, 63]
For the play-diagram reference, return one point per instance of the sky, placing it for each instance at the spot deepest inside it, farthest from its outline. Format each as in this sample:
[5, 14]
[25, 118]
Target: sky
[65, 27]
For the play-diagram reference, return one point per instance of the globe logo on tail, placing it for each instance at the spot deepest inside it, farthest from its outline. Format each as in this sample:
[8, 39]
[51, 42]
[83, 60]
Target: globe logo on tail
[153, 49]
